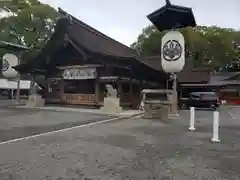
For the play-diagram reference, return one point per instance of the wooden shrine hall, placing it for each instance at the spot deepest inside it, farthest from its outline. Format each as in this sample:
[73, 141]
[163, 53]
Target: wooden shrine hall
[78, 62]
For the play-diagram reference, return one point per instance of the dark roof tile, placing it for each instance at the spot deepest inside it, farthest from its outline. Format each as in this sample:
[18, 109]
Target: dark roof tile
[152, 61]
[96, 41]
[194, 77]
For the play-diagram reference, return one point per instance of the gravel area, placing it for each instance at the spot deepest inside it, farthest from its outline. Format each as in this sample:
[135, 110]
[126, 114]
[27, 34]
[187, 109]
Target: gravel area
[135, 149]
[17, 123]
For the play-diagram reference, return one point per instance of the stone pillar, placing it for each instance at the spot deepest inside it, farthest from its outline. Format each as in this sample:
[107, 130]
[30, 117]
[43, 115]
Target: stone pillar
[111, 102]
[174, 106]
[49, 85]
[31, 85]
[34, 99]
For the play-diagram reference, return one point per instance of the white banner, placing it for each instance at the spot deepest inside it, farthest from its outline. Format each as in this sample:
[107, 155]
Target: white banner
[173, 52]
[8, 61]
[79, 73]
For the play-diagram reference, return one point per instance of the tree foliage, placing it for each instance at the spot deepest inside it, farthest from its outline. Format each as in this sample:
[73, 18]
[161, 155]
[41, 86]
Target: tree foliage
[211, 45]
[27, 22]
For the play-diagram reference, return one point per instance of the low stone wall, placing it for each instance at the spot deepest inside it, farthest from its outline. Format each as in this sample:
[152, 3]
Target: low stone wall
[111, 105]
[156, 110]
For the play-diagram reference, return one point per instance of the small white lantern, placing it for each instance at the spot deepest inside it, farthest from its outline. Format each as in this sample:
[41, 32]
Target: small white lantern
[8, 61]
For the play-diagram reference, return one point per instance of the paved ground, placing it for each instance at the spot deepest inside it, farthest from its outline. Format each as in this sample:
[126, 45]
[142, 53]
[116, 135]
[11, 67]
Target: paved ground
[10, 102]
[17, 123]
[127, 149]
[125, 112]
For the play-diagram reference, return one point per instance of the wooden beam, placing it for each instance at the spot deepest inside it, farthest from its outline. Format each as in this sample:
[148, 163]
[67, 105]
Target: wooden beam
[97, 89]
[119, 87]
[79, 66]
[61, 88]
[85, 56]
[114, 65]
[8, 45]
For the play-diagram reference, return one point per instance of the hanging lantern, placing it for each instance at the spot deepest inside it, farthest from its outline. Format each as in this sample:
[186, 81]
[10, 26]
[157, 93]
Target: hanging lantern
[173, 52]
[8, 61]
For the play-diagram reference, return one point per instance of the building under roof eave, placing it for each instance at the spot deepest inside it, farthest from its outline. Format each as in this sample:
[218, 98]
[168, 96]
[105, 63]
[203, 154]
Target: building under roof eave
[91, 44]
[8, 84]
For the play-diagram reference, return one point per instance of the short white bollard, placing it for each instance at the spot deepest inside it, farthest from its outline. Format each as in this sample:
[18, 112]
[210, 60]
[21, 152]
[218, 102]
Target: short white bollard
[192, 119]
[215, 137]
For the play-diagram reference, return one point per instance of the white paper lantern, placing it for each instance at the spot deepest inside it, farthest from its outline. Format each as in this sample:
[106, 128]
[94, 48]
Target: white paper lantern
[173, 52]
[8, 61]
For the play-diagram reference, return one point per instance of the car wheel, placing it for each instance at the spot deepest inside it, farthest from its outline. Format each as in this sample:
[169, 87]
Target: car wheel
[213, 107]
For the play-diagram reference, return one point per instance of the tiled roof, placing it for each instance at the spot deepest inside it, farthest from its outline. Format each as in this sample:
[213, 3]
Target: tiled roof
[152, 61]
[194, 77]
[94, 40]
[224, 78]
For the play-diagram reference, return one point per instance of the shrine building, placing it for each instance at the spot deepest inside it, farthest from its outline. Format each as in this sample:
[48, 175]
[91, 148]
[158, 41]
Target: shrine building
[78, 62]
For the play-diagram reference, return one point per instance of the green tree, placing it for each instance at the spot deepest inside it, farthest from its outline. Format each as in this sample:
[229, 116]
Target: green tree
[204, 45]
[149, 41]
[29, 23]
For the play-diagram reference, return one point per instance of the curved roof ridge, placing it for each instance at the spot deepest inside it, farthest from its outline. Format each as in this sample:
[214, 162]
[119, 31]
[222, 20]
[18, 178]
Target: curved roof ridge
[93, 30]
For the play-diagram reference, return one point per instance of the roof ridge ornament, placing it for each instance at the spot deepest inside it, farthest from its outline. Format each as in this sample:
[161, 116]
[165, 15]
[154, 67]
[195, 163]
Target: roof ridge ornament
[65, 14]
[69, 17]
[168, 2]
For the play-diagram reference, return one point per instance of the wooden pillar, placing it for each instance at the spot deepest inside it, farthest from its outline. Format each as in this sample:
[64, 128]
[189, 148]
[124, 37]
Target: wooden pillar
[174, 109]
[61, 88]
[119, 88]
[49, 85]
[97, 88]
[141, 85]
[31, 85]
[46, 85]
[131, 86]
[140, 90]
[133, 96]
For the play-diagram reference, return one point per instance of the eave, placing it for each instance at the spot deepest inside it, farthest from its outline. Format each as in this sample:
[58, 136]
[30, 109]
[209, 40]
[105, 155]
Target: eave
[172, 16]
[11, 46]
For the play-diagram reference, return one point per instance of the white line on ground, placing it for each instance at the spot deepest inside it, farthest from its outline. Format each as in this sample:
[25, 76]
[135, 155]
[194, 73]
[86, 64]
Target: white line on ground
[233, 117]
[66, 109]
[62, 130]
[139, 116]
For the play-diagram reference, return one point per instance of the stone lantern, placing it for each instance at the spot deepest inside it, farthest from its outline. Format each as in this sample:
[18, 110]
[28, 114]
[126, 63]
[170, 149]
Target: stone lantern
[170, 18]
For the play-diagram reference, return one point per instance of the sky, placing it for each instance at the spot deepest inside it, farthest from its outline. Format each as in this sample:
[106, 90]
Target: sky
[124, 20]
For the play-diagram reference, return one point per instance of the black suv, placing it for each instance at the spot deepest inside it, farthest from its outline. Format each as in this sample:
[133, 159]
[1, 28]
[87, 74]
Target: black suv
[202, 100]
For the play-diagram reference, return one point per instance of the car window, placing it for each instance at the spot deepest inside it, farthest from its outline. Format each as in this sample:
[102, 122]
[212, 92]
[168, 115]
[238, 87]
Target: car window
[204, 96]
[209, 96]
[193, 96]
